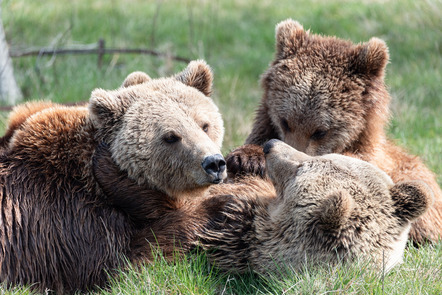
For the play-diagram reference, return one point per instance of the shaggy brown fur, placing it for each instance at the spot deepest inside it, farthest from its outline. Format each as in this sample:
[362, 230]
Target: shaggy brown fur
[327, 95]
[325, 209]
[328, 208]
[18, 116]
[58, 230]
[173, 225]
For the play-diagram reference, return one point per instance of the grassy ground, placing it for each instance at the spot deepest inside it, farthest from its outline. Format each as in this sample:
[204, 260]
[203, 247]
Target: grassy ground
[237, 40]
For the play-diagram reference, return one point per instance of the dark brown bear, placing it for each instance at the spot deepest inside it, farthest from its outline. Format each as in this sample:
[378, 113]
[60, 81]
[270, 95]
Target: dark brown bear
[327, 95]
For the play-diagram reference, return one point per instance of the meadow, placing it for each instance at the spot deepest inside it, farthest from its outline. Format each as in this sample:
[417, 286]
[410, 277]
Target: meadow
[237, 39]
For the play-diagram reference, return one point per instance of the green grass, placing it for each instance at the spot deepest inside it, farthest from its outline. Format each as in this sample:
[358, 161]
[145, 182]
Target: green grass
[191, 276]
[237, 39]
[419, 274]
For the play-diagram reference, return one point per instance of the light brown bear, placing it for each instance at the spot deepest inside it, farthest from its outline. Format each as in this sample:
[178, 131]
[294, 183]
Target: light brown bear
[325, 209]
[327, 95]
[328, 209]
[58, 230]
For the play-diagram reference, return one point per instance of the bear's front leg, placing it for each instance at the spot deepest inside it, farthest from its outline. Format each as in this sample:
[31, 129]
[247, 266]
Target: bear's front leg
[246, 159]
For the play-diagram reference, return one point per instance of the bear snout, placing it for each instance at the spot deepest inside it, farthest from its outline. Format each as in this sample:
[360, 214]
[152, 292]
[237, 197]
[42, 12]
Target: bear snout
[215, 166]
[269, 145]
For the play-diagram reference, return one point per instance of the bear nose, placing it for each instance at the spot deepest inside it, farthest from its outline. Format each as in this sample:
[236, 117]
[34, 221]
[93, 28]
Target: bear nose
[214, 165]
[269, 145]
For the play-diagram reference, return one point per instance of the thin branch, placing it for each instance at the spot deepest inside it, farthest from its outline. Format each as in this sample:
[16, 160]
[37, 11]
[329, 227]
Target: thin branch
[49, 51]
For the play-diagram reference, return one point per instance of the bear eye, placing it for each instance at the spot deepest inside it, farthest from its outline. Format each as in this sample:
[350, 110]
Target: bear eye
[285, 125]
[171, 138]
[318, 134]
[205, 127]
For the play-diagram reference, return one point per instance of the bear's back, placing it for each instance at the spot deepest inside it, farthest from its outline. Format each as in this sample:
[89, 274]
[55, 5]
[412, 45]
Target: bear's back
[55, 230]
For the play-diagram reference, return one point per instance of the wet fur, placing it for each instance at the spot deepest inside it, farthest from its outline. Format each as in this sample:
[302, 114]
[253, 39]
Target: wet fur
[58, 230]
[319, 83]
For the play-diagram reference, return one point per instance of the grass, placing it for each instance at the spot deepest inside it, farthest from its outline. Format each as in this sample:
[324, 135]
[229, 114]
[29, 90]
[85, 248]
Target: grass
[192, 276]
[237, 39]
[419, 274]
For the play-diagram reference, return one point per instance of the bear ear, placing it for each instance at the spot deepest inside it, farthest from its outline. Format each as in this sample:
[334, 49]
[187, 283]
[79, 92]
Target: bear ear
[198, 75]
[135, 78]
[411, 199]
[334, 211]
[370, 58]
[290, 36]
[106, 107]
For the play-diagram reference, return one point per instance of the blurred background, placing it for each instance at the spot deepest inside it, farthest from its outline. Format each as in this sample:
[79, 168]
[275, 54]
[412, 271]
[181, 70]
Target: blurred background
[237, 39]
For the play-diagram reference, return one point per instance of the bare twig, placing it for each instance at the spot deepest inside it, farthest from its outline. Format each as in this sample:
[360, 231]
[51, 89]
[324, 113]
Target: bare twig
[61, 51]
[101, 45]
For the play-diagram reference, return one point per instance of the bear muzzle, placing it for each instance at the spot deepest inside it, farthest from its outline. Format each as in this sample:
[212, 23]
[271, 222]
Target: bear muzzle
[282, 160]
[269, 145]
[215, 167]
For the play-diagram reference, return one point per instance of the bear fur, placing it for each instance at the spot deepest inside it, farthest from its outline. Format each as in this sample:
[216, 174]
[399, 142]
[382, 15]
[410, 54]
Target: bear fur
[321, 209]
[327, 95]
[328, 209]
[58, 230]
[175, 220]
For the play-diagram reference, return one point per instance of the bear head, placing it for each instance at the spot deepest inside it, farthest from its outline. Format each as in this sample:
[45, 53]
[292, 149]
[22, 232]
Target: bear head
[334, 204]
[166, 133]
[323, 94]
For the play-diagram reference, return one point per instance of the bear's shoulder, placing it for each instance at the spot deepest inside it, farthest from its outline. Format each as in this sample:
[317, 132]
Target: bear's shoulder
[57, 124]
[57, 139]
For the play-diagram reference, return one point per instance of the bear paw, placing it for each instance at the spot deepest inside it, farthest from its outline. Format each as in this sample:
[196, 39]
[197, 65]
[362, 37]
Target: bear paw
[246, 159]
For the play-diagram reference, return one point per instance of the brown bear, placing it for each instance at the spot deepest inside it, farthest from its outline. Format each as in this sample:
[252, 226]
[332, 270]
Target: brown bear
[327, 95]
[328, 208]
[58, 230]
[325, 209]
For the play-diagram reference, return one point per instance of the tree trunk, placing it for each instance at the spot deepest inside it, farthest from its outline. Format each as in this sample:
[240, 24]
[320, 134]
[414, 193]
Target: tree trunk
[9, 92]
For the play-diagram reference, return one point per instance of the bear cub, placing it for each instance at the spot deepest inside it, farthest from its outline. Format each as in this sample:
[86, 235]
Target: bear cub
[328, 209]
[327, 95]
